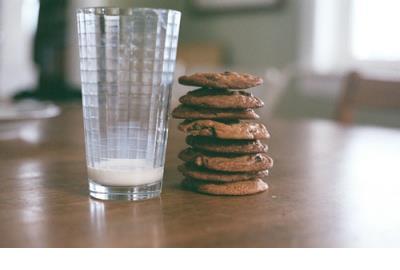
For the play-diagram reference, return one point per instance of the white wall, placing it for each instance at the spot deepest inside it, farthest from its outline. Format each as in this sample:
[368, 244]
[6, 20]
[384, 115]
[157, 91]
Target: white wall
[253, 39]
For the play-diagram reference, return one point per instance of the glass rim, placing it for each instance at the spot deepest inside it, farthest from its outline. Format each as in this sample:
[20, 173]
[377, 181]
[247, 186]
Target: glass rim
[117, 11]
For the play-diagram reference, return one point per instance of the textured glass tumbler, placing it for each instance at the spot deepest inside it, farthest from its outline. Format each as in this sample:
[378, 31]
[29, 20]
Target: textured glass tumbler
[127, 60]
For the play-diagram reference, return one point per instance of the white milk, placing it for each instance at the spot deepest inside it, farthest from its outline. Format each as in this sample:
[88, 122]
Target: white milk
[124, 172]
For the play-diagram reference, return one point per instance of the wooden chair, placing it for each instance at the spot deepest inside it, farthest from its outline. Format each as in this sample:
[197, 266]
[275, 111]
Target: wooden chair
[359, 91]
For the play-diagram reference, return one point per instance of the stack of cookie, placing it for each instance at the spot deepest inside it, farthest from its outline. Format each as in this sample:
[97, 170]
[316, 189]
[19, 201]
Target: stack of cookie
[226, 156]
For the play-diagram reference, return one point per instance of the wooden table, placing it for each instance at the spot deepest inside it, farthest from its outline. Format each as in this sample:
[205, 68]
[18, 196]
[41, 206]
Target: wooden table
[332, 186]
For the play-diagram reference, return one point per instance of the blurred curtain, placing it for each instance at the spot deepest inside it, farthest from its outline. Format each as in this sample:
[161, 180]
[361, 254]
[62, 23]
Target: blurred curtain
[18, 20]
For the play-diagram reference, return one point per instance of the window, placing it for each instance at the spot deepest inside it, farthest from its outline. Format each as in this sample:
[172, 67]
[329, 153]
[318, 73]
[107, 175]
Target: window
[375, 30]
[352, 34]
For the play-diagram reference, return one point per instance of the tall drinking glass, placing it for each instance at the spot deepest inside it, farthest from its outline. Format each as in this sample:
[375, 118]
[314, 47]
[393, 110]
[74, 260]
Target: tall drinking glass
[127, 60]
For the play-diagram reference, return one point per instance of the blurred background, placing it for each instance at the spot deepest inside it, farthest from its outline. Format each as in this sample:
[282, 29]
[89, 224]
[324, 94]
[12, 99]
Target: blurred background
[337, 60]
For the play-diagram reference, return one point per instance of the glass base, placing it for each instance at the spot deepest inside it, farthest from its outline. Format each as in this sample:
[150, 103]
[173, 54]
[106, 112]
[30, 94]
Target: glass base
[136, 193]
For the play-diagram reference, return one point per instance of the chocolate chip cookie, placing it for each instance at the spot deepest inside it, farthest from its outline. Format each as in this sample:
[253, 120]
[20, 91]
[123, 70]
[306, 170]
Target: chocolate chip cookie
[200, 173]
[222, 80]
[226, 156]
[222, 99]
[187, 112]
[246, 187]
[227, 162]
[236, 130]
[212, 144]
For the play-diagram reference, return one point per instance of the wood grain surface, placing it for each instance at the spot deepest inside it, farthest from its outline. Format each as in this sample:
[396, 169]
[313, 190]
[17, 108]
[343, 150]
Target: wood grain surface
[331, 186]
